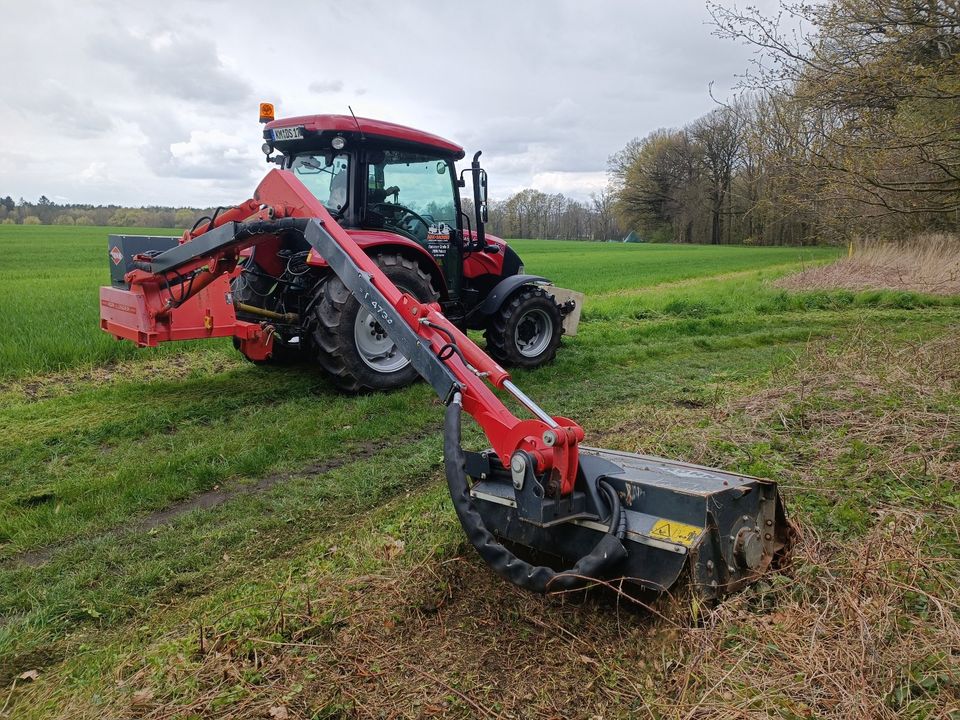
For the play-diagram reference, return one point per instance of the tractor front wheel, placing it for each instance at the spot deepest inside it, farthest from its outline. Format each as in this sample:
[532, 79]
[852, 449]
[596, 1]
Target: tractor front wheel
[526, 331]
[351, 345]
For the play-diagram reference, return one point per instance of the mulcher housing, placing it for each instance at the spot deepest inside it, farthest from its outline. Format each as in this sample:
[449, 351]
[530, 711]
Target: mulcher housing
[723, 528]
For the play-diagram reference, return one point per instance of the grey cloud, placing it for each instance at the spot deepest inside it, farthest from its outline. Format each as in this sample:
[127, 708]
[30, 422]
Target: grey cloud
[54, 104]
[178, 63]
[559, 138]
[547, 90]
[174, 150]
[325, 86]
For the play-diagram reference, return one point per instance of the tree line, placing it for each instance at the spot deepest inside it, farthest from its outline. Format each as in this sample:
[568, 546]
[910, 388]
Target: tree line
[531, 213]
[526, 214]
[848, 124]
[47, 212]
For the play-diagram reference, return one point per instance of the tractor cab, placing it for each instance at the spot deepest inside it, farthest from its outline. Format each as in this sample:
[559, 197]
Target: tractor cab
[381, 178]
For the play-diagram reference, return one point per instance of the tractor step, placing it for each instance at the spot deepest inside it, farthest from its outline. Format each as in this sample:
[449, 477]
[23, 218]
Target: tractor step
[725, 529]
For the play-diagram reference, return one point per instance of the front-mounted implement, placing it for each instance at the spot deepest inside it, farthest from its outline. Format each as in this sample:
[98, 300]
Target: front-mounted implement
[724, 529]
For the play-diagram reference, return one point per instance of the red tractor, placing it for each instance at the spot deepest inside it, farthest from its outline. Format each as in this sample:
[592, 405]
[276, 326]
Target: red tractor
[597, 513]
[397, 193]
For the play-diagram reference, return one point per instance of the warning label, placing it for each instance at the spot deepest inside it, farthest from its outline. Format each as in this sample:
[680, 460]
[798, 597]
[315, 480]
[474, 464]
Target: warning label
[116, 255]
[675, 532]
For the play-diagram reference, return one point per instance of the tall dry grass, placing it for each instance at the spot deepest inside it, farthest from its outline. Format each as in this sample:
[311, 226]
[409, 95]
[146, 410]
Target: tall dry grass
[927, 263]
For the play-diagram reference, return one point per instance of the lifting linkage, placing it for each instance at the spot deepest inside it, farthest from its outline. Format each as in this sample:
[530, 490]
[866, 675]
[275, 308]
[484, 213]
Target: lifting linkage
[461, 374]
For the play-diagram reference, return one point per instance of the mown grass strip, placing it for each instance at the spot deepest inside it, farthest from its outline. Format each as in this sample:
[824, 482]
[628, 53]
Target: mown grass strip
[57, 596]
[85, 461]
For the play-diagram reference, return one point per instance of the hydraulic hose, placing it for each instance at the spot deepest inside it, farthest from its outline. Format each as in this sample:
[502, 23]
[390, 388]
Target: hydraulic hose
[264, 227]
[536, 578]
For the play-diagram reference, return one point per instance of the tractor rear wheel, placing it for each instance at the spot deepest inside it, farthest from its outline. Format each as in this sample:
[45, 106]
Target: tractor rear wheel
[351, 345]
[526, 331]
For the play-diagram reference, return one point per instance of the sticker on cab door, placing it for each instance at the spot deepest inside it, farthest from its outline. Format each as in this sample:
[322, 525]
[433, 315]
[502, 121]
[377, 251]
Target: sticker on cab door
[438, 239]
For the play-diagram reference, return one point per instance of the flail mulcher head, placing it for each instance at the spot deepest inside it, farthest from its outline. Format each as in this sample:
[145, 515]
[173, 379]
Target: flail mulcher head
[644, 519]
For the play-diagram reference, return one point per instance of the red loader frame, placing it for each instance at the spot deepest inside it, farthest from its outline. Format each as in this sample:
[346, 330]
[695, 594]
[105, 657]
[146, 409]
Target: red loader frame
[185, 294]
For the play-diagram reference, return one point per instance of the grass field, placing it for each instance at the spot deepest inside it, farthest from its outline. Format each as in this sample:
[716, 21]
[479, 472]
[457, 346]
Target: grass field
[49, 276]
[183, 534]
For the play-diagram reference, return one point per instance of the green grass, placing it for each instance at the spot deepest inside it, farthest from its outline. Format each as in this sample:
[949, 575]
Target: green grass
[49, 280]
[96, 435]
[49, 277]
[598, 269]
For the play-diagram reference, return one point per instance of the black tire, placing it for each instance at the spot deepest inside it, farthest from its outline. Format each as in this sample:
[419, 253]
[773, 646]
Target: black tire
[336, 327]
[517, 322]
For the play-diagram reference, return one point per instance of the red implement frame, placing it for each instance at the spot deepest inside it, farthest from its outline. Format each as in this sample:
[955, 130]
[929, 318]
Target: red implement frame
[154, 310]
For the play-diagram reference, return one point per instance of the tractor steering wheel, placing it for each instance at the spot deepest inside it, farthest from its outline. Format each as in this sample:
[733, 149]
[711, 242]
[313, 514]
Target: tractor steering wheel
[408, 221]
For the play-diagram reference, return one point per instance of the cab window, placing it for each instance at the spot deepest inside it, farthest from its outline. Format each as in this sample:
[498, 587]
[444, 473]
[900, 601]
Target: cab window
[410, 193]
[326, 176]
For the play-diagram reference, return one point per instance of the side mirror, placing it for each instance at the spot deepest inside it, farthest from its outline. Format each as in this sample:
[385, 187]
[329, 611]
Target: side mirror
[479, 197]
[481, 179]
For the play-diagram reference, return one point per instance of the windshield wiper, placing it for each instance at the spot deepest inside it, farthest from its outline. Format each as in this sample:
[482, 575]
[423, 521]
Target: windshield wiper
[311, 164]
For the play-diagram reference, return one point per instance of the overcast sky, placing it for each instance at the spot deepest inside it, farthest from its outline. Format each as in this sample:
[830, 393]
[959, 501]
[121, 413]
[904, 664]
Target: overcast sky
[156, 103]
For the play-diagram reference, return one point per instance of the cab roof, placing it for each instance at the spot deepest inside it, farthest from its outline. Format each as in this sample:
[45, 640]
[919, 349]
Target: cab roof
[347, 125]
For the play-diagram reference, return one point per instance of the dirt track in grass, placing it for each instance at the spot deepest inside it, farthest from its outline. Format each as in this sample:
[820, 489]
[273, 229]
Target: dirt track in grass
[219, 495]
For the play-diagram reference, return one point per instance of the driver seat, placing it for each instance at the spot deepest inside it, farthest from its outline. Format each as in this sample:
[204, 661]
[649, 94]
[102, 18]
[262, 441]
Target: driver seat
[339, 185]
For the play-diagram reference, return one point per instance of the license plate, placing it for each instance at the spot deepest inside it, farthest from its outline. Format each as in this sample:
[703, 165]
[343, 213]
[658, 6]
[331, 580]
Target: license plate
[288, 133]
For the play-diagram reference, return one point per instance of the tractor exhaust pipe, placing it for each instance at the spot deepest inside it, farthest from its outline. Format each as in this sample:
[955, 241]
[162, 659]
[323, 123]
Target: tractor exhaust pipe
[479, 199]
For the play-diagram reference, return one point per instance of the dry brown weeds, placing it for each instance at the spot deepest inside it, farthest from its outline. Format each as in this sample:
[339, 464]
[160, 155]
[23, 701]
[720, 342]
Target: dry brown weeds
[926, 264]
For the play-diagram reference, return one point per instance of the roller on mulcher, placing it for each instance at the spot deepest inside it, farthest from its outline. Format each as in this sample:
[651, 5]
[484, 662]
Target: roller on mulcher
[377, 316]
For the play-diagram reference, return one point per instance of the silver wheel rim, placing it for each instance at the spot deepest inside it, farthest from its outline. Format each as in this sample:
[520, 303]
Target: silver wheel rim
[376, 348]
[533, 333]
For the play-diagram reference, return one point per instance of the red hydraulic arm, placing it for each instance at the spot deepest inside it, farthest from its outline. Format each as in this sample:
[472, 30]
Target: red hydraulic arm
[552, 442]
[192, 300]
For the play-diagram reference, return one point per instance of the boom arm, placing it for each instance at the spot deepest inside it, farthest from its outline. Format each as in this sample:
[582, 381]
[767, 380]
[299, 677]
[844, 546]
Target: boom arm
[543, 447]
[161, 304]
[451, 362]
